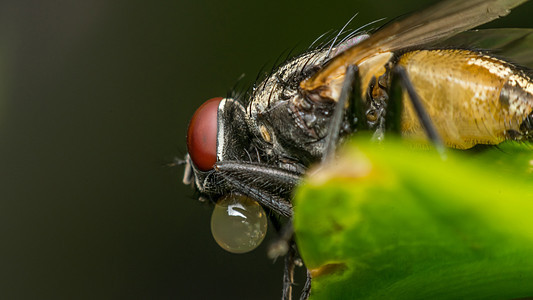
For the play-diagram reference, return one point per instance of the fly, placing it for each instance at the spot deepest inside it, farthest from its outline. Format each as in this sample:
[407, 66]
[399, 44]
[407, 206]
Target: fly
[413, 77]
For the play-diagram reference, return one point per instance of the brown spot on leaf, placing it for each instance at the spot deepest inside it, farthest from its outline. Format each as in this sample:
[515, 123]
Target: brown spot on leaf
[329, 269]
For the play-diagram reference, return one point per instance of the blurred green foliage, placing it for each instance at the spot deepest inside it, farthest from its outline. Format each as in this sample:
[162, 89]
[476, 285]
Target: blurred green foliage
[386, 221]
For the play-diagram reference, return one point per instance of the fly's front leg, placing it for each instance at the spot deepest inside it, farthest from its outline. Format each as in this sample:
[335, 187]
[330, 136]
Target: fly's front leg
[268, 185]
[271, 187]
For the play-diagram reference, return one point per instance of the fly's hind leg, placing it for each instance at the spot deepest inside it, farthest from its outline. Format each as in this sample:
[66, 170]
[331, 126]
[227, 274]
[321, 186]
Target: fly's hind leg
[394, 109]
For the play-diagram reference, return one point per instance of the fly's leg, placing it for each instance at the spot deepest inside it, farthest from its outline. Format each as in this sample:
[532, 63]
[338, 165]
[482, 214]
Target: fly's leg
[394, 108]
[421, 112]
[268, 185]
[289, 261]
[356, 107]
[306, 291]
[292, 261]
[288, 274]
[334, 129]
[285, 245]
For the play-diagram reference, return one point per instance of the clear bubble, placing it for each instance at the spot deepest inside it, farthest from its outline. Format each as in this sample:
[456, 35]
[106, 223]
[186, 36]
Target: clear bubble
[238, 223]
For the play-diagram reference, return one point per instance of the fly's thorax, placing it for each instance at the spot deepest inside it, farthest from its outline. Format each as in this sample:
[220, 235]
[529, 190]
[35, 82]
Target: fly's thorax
[283, 83]
[288, 123]
[471, 97]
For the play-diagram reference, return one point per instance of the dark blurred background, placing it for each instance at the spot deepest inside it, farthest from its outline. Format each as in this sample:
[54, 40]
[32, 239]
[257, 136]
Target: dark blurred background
[95, 97]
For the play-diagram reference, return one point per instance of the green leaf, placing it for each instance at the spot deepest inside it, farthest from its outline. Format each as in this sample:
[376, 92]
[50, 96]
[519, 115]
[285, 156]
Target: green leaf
[386, 221]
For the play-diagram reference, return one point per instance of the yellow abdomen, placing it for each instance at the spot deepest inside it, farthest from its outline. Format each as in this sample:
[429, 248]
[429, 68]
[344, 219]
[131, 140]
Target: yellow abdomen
[472, 98]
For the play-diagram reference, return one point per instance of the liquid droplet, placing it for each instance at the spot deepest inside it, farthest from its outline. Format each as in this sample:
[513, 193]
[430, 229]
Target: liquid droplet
[238, 223]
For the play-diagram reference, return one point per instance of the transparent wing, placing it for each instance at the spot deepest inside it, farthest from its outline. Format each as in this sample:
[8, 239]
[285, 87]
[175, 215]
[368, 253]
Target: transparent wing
[515, 44]
[430, 25]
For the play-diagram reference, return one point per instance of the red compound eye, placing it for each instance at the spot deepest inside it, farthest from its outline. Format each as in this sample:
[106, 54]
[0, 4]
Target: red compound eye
[202, 135]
